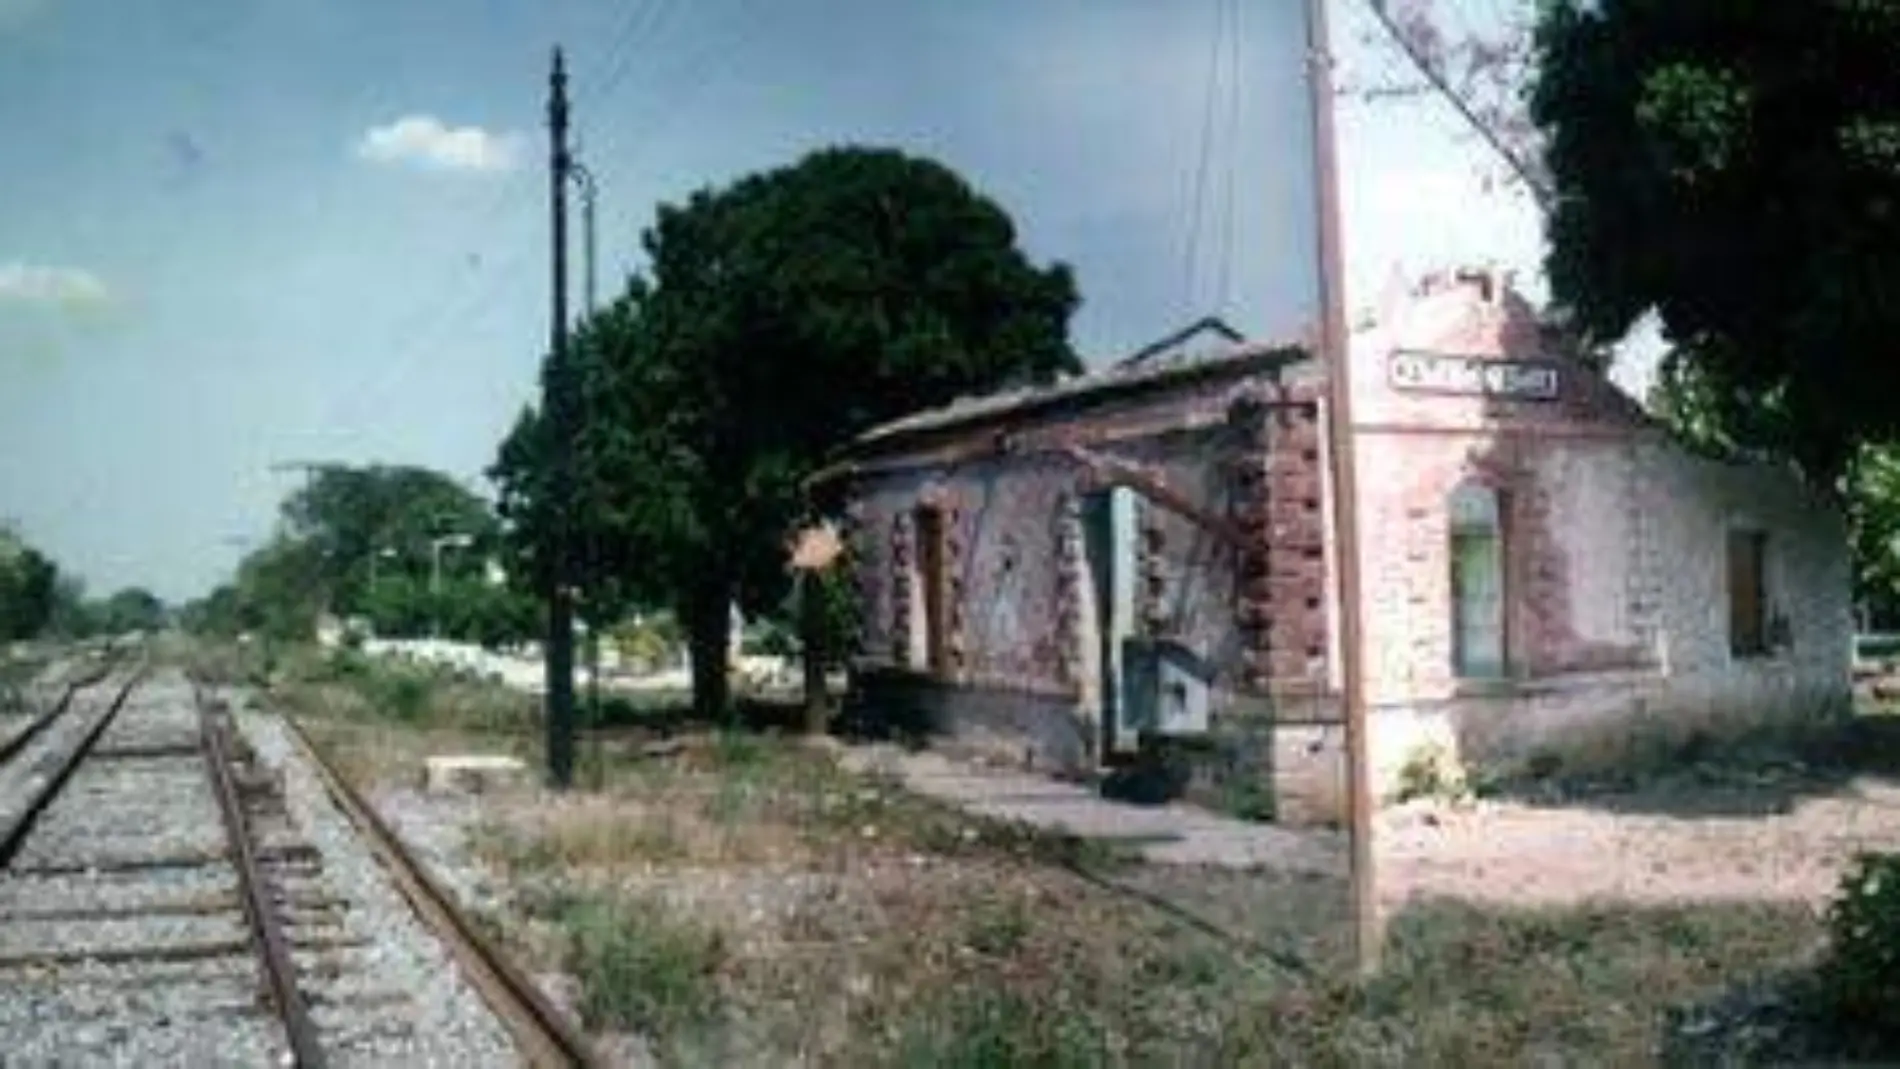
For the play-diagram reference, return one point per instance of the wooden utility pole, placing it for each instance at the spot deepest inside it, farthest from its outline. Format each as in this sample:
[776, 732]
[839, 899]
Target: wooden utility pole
[1368, 931]
[590, 563]
[559, 413]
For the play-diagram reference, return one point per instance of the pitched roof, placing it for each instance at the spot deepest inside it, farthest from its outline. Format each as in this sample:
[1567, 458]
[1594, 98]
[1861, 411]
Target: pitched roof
[1148, 369]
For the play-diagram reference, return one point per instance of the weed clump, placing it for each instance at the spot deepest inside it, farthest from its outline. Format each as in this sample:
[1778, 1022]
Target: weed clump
[1860, 978]
[641, 968]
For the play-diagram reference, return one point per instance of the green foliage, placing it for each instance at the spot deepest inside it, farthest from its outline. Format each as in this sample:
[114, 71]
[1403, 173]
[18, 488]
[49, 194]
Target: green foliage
[1861, 975]
[1431, 771]
[771, 636]
[1873, 514]
[649, 642]
[641, 968]
[364, 542]
[382, 519]
[984, 1027]
[132, 609]
[1734, 168]
[28, 584]
[783, 315]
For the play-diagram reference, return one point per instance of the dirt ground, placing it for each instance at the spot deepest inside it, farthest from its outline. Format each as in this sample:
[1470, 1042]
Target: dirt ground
[1668, 842]
[828, 917]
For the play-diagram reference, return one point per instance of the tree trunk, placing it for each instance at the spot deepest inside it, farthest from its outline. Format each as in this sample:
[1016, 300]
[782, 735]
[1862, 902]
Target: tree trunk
[812, 651]
[709, 633]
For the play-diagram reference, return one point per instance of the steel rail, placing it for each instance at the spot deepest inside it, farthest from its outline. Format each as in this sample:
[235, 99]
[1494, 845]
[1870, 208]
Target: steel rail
[13, 836]
[280, 973]
[541, 1031]
[19, 740]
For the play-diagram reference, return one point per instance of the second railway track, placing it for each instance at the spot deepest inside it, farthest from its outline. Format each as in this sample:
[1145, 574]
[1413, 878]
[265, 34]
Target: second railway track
[178, 890]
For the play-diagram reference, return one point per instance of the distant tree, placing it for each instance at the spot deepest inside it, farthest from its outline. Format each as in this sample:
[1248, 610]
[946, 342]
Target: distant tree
[781, 316]
[350, 517]
[280, 590]
[1736, 168]
[28, 586]
[132, 609]
[74, 615]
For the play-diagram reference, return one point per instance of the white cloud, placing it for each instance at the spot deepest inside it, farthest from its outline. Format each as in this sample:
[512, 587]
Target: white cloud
[425, 141]
[38, 284]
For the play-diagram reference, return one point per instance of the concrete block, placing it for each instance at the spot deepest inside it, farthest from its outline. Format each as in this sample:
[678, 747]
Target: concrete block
[475, 773]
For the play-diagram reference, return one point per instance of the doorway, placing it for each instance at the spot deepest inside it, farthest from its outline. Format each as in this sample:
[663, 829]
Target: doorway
[932, 574]
[1109, 529]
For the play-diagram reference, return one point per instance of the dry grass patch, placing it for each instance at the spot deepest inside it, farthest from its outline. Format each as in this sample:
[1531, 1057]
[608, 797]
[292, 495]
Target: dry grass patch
[858, 925]
[741, 900]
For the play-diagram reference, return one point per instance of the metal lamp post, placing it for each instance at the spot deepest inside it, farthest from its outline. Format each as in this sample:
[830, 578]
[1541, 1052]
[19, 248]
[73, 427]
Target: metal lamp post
[436, 545]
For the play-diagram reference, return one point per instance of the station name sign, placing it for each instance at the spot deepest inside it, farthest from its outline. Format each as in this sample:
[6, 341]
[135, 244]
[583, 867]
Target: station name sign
[1477, 376]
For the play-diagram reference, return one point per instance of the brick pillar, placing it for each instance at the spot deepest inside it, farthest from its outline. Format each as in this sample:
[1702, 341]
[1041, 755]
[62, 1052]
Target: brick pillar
[1282, 611]
[955, 647]
[903, 541]
[1247, 474]
[851, 532]
[1070, 568]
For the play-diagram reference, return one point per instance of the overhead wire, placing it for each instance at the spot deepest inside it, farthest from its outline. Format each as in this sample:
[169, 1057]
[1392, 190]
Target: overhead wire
[455, 303]
[1228, 221]
[1204, 150]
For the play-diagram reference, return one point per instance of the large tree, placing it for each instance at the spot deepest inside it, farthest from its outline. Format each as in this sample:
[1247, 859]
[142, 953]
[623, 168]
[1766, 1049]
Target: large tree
[779, 316]
[1736, 167]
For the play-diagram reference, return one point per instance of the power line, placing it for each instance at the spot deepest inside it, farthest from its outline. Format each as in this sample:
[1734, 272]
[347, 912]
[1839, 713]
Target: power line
[1205, 149]
[418, 332]
[1435, 75]
[1222, 290]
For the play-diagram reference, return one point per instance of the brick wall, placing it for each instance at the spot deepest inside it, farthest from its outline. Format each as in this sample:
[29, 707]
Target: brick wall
[1617, 602]
[1026, 616]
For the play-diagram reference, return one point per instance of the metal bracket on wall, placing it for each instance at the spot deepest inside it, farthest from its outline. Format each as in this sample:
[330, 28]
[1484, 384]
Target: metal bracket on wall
[1110, 470]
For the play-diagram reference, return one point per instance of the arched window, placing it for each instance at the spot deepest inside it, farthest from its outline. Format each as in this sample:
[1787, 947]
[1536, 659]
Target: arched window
[1477, 583]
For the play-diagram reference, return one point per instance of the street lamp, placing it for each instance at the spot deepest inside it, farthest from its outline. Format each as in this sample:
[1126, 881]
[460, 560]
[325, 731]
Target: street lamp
[385, 553]
[454, 541]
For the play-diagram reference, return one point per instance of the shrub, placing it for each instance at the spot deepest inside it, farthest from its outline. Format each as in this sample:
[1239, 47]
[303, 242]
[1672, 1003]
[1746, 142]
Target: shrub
[1861, 975]
[1431, 771]
[640, 968]
[976, 1028]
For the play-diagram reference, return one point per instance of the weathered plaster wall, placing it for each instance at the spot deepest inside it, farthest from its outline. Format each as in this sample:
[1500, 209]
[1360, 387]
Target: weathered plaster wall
[1026, 622]
[1616, 583]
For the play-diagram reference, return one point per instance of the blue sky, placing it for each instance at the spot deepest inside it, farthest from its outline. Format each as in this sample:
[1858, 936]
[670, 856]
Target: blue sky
[234, 234]
[210, 261]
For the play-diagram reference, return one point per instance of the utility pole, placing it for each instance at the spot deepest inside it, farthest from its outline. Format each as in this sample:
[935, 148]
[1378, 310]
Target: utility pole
[584, 180]
[558, 406]
[1368, 932]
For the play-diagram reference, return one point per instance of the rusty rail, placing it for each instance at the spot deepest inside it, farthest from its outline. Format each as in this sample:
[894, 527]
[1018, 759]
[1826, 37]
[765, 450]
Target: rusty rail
[542, 1032]
[14, 835]
[274, 950]
[19, 740]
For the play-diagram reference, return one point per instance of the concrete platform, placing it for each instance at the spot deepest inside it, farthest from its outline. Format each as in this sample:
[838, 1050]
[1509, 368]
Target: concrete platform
[1175, 834]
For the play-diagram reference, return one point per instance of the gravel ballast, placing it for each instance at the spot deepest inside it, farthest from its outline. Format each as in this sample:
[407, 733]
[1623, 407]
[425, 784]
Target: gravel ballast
[443, 1022]
[123, 939]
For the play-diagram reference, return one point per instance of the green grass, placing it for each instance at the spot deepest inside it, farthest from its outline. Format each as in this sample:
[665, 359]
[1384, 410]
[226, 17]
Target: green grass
[986, 1028]
[642, 967]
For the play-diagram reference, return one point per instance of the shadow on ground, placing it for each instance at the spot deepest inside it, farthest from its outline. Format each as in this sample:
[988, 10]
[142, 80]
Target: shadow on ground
[1757, 776]
[662, 716]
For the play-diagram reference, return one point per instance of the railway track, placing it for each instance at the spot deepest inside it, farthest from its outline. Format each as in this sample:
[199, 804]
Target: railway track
[176, 888]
